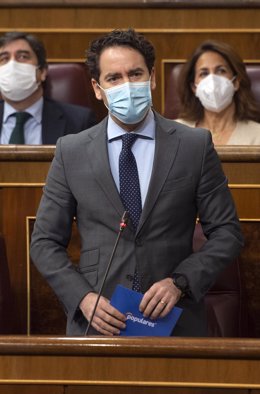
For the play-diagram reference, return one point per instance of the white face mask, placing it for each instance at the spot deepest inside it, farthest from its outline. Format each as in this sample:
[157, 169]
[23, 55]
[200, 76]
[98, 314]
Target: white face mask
[18, 80]
[215, 92]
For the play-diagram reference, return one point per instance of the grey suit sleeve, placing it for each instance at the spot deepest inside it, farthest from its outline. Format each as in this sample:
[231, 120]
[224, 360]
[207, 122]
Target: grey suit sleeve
[217, 214]
[51, 235]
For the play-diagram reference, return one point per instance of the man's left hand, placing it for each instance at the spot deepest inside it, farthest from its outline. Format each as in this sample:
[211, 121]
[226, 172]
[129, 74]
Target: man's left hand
[159, 300]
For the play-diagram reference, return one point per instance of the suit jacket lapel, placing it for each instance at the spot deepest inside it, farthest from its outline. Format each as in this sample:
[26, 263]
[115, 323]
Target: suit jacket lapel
[53, 123]
[166, 147]
[97, 149]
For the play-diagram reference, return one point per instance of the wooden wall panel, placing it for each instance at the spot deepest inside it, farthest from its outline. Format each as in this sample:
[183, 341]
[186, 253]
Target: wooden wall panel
[175, 32]
[18, 203]
[21, 181]
[160, 365]
[35, 388]
[138, 17]
[157, 390]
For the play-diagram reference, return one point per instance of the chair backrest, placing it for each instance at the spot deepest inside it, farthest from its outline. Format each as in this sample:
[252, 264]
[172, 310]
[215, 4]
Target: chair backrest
[6, 297]
[225, 301]
[71, 83]
[68, 82]
[171, 98]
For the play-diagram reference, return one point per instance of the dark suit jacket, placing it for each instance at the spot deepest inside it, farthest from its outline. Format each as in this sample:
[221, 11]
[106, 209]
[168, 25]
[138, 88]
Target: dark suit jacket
[187, 181]
[59, 119]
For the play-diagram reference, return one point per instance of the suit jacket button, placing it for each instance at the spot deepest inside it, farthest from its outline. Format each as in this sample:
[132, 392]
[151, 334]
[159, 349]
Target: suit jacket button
[139, 242]
[130, 277]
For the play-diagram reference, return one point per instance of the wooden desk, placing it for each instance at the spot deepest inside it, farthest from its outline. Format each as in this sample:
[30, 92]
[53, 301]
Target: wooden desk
[106, 365]
[22, 174]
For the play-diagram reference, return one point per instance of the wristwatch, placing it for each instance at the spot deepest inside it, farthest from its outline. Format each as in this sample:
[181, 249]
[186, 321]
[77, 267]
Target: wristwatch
[181, 282]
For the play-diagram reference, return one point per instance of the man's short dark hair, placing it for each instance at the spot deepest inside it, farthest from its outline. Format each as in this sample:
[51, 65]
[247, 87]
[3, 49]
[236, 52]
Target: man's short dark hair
[127, 38]
[35, 44]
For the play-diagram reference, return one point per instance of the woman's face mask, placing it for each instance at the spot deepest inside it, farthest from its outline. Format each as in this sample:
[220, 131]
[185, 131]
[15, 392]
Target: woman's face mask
[130, 101]
[18, 80]
[215, 92]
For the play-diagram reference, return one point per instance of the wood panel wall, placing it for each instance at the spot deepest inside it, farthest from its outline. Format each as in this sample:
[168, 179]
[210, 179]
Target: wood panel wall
[103, 365]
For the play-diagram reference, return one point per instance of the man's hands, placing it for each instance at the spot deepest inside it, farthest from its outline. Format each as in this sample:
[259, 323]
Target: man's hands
[107, 319]
[159, 300]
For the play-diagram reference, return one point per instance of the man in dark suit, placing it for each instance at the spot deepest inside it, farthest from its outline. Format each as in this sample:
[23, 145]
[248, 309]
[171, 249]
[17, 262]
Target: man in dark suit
[23, 70]
[180, 179]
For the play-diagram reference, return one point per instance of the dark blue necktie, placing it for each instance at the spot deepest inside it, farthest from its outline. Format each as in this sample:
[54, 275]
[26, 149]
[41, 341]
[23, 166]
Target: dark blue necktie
[17, 136]
[129, 186]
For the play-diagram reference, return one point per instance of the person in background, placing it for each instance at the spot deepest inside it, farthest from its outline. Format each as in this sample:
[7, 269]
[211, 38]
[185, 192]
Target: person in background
[163, 173]
[23, 69]
[215, 93]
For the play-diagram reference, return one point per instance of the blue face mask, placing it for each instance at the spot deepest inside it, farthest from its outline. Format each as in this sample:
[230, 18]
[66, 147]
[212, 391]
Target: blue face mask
[130, 101]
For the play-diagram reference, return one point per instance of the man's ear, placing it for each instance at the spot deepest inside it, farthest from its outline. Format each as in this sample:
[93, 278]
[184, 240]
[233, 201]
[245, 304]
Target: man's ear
[153, 80]
[97, 89]
[42, 74]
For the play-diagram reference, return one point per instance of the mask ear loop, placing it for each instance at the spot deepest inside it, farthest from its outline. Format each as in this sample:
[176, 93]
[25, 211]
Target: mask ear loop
[36, 69]
[104, 90]
[100, 87]
[149, 80]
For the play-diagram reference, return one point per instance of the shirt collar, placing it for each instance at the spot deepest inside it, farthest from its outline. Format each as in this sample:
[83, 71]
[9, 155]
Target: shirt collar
[146, 129]
[35, 110]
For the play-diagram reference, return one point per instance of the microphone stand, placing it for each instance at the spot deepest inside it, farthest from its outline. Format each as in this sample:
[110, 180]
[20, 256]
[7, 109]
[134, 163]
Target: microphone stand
[123, 225]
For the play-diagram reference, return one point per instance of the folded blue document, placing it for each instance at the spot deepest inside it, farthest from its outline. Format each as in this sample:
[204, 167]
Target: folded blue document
[128, 301]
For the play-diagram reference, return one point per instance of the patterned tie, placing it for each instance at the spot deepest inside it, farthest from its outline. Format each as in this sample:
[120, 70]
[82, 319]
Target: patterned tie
[17, 136]
[130, 186]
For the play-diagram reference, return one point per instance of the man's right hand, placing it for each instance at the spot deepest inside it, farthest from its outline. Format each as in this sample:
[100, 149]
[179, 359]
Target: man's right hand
[107, 319]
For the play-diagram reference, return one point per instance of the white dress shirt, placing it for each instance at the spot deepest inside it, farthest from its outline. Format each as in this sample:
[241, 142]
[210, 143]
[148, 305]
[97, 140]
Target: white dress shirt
[32, 128]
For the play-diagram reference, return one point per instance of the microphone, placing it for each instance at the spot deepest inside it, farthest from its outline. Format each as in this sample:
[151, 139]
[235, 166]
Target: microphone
[122, 226]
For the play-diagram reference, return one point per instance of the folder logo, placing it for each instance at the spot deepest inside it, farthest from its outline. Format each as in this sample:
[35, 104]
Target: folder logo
[127, 301]
[135, 319]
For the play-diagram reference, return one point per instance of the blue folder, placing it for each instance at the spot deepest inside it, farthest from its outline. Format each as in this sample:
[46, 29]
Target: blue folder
[128, 301]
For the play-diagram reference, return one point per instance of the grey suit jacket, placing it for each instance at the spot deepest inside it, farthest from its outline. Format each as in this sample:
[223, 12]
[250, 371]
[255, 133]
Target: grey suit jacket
[187, 181]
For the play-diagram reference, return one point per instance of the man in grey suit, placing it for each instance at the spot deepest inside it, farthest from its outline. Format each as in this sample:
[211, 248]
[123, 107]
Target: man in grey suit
[23, 70]
[180, 178]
